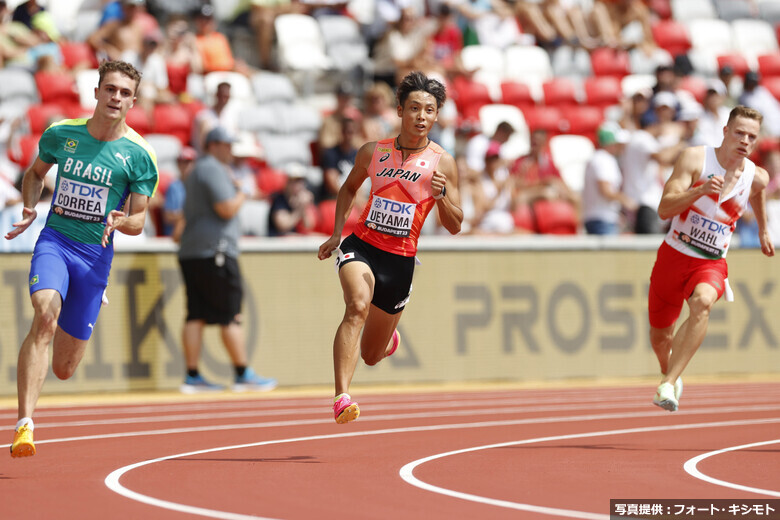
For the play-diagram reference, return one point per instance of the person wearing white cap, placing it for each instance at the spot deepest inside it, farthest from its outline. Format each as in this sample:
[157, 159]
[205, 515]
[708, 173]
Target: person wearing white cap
[707, 193]
[602, 200]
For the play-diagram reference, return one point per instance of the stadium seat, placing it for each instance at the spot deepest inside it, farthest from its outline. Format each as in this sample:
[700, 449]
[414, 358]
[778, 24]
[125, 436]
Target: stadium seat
[300, 44]
[173, 119]
[300, 119]
[344, 44]
[602, 91]
[736, 61]
[17, 85]
[469, 97]
[138, 120]
[86, 81]
[769, 11]
[253, 217]
[40, 116]
[166, 147]
[240, 86]
[661, 8]
[730, 10]
[584, 120]
[633, 83]
[772, 84]
[78, 54]
[692, 9]
[326, 218]
[753, 38]
[696, 85]
[56, 87]
[560, 92]
[571, 62]
[271, 180]
[546, 118]
[524, 218]
[261, 119]
[610, 62]
[555, 217]
[570, 154]
[529, 64]
[671, 36]
[517, 93]
[489, 118]
[24, 151]
[769, 64]
[710, 38]
[270, 87]
[282, 150]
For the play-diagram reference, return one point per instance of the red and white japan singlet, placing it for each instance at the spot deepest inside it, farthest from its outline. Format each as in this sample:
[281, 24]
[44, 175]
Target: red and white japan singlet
[401, 197]
[704, 230]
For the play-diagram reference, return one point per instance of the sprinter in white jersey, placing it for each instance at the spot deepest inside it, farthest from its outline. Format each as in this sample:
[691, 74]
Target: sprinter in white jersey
[105, 177]
[706, 194]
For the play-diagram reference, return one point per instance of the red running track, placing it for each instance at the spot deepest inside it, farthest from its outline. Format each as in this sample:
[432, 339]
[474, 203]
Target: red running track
[499, 454]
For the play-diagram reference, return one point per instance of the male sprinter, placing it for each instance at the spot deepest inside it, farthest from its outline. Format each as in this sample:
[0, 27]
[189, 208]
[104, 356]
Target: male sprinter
[410, 175]
[105, 176]
[708, 191]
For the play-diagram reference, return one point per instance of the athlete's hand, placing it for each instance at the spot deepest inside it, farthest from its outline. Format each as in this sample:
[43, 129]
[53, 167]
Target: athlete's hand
[112, 222]
[767, 247]
[438, 181]
[28, 217]
[327, 247]
[714, 185]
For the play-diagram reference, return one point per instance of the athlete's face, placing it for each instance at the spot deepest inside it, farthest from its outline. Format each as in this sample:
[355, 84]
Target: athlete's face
[115, 96]
[418, 114]
[741, 136]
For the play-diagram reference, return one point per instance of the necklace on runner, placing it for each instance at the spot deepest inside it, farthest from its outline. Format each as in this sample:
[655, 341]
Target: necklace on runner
[398, 145]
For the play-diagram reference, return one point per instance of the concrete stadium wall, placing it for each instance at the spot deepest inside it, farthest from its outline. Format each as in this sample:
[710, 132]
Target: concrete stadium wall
[516, 310]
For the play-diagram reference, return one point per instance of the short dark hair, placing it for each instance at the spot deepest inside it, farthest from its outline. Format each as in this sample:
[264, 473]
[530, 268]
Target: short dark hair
[415, 81]
[118, 66]
[743, 111]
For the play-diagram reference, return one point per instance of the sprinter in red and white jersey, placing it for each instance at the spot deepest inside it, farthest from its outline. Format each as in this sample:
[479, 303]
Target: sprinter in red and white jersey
[410, 175]
[707, 193]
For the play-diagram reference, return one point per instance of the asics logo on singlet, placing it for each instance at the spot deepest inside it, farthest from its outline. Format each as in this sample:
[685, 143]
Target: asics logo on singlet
[123, 158]
[384, 157]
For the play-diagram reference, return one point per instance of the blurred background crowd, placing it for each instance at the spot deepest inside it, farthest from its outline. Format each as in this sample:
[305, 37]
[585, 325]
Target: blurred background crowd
[564, 116]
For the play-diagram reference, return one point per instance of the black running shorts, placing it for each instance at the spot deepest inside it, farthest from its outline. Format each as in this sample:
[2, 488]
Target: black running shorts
[214, 292]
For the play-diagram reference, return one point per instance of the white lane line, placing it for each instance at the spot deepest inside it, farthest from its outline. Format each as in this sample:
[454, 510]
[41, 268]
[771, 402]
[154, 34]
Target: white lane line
[690, 467]
[651, 412]
[407, 472]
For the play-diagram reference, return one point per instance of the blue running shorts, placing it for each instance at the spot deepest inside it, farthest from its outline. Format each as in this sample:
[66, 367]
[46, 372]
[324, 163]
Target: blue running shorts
[79, 272]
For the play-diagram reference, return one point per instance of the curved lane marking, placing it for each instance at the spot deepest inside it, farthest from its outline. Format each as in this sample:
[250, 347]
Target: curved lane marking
[690, 467]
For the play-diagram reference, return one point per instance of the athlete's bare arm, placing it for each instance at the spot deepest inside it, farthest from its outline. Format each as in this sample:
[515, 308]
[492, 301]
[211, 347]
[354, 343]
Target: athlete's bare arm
[678, 193]
[346, 197]
[758, 203]
[130, 223]
[32, 187]
[446, 175]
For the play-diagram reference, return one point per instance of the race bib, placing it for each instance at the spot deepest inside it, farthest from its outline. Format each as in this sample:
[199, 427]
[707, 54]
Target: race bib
[708, 237]
[80, 201]
[391, 217]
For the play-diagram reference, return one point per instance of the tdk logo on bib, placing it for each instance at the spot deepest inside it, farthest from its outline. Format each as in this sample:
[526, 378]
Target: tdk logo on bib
[391, 217]
[81, 201]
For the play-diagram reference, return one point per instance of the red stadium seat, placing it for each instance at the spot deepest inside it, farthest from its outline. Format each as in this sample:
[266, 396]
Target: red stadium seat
[524, 218]
[584, 120]
[41, 116]
[560, 92]
[270, 180]
[78, 55]
[610, 62]
[672, 36]
[517, 94]
[545, 118]
[769, 65]
[555, 217]
[469, 97]
[662, 9]
[23, 152]
[695, 85]
[603, 91]
[138, 120]
[173, 119]
[737, 62]
[56, 87]
[772, 84]
[177, 77]
[326, 218]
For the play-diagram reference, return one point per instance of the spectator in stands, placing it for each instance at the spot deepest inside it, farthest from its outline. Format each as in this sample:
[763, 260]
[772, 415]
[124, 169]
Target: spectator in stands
[330, 130]
[247, 154]
[259, 16]
[537, 177]
[181, 54]
[15, 40]
[477, 146]
[634, 108]
[556, 22]
[756, 96]
[214, 47]
[602, 199]
[221, 113]
[292, 209]
[714, 115]
[25, 11]
[121, 38]
[733, 85]
[172, 211]
[154, 88]
[648, 158]
[624, 24]
[379, 115]
[492, 196]
[396, 50]
[447, 41]
[337, 161]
